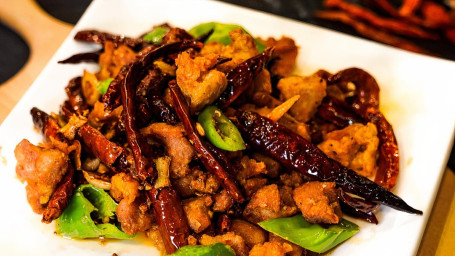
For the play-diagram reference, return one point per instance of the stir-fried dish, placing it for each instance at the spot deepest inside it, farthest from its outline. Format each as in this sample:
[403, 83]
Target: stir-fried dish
[204, 140]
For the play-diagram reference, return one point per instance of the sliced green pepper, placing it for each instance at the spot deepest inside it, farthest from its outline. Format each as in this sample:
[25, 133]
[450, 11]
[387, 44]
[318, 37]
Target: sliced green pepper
[310, 236]
[89, 203]
[217, 249]
[219, 130]
[103, 85]
[220, 33]
[156, 35]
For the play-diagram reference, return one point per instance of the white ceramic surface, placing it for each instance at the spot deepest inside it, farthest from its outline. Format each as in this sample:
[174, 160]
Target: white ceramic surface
[417, 96]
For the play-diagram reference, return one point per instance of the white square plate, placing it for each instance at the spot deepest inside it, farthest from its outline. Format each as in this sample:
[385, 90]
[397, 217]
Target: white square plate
[417, 96]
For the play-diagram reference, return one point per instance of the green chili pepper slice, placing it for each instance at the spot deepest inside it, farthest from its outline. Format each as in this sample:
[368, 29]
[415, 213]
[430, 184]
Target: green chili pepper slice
[103, 85]
[217, 249]
[220, 33]
[88, 204]
[313, 237]
[219, 130]
[156, 35]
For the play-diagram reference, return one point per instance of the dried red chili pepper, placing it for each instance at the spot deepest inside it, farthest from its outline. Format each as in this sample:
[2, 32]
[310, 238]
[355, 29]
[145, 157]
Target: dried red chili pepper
[391, 25]
[450, 34]
[366, 104]
[337, 113]
[106, 150]
[150, 101]
[294, 152]
[408, 7]
[170, 217]
[76, 100]
[142, 64]
[94, 36]
[242, 76]
[135, 140]
[82, 57]
[60, 198]
[357, 207]
[47, 125]
[435, 15]
[208, 158]
[370, 32]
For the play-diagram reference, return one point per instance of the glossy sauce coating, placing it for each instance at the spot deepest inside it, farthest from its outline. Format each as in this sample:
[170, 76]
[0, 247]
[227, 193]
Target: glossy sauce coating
[294, 152]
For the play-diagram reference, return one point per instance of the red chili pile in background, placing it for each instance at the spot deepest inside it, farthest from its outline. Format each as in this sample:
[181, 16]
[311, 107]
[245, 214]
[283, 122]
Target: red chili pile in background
[384, 22]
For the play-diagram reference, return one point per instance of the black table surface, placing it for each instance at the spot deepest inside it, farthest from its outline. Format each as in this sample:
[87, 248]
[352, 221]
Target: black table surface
[14, 51]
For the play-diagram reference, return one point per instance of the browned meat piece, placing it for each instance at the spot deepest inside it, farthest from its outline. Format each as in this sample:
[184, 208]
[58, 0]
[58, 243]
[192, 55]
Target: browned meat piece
[183, 186]
[89, 88]
[113, 59]
[296, 126]
[196, 182]
[198, 212]
[312, 89]
[271, 249]
[286, 53]
[177, 146]
[286, 196]
[155, 237]
[176, 35]
[251, 233]
[292, 179]
[250, 168]
[72, 126]
[235, 241]
[204, 182]
[252, 185]
[42, 168]
[223, 201]
[134, 217]
[262, 83]
[241, 48]
[296, 250]
[286, 120]
[124, 186]
[99, 115]
[272, 166]
[355, 147]
[198, 81]
[266, 204]
[318, 202]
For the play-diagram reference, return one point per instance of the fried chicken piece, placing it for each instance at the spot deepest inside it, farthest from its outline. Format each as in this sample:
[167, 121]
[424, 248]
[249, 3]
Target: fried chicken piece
[241, 48]
[124, 186]
[296, 250]
[155, 237]
[312, 89]
[177, 146]
[134, 217]
[292, 179]
[42, 168]
[285, 52]
[318, 202]
[223, 201]
[204, 182]
[272, 166]
[271, 249]
[235, 241]
[99, 115]
[252, 185]
[197, 81]
[266, 204]
[198, 212]
[250, 168]
[355, 147]
[113, 59]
